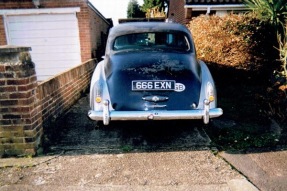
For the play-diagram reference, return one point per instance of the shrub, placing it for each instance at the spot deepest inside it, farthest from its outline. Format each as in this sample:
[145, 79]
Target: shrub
[277, 94]
[246, 43]
[240, 41]
[273, 11]
[282, 40]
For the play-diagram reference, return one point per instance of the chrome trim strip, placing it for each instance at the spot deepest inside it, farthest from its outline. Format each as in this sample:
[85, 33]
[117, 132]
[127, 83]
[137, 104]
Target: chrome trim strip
[156, 106]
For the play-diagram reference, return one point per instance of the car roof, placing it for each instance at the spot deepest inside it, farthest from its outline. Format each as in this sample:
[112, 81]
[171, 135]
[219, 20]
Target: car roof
[138, 27]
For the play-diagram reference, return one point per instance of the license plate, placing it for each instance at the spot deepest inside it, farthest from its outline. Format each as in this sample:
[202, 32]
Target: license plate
[153, 85]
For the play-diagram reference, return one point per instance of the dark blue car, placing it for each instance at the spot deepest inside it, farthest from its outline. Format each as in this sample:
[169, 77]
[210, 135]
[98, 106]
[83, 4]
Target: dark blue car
[150, 72]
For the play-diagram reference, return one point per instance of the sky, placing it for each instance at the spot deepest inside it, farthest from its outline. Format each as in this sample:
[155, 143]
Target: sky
[115, 9]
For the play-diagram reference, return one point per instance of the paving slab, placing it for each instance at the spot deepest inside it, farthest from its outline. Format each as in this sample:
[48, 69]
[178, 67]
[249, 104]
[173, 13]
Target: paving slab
[124, 156]
[24, 162]
[266, 170]
[188, 170]
[118, 188]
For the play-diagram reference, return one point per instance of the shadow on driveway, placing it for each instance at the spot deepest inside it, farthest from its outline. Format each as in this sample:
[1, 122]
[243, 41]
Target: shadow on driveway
[74, 133]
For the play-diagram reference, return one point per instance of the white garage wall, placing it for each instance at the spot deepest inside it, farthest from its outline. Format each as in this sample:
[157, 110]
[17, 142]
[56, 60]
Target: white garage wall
[54, 39]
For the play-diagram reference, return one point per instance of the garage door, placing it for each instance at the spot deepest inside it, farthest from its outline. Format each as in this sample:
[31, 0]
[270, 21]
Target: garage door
[54, 39]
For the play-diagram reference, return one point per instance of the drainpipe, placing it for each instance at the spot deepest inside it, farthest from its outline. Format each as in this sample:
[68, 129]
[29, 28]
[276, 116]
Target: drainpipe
[36, 3]
[208, 10]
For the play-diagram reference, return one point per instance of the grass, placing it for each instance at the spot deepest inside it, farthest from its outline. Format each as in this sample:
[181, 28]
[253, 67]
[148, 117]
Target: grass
[126, 148]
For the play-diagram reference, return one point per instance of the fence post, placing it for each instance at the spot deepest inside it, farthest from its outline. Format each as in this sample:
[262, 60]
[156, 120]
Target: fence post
[20, 115]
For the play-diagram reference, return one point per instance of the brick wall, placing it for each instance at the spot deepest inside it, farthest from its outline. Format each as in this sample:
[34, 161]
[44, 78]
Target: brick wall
[58, 94]
[20, 119]
[26, 106]
[99, 34]
[176, 7]
[2, 32]
[86, 19]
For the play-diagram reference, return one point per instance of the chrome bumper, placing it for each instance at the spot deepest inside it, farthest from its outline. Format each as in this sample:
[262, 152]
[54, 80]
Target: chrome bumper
[106, 116]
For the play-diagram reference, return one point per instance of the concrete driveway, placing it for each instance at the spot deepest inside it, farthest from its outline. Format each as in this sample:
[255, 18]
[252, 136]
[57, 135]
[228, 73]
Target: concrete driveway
[123, 156]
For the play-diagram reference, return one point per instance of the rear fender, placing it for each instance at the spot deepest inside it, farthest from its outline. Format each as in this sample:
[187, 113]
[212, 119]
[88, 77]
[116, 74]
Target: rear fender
[99, 84]
[206, 78]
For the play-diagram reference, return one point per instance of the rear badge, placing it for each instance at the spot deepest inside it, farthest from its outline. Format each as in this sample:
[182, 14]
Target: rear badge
[157, 85]
[154, 98]
[179, 87]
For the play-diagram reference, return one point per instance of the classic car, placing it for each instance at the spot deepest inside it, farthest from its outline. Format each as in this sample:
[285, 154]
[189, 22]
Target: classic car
[150, 72]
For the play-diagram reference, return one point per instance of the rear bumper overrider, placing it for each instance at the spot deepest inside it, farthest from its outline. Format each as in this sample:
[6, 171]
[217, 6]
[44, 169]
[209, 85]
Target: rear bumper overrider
[106, 115]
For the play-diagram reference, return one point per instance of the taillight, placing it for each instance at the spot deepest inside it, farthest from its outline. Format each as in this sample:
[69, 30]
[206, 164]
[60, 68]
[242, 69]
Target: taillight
[98, 92]
[210, 92]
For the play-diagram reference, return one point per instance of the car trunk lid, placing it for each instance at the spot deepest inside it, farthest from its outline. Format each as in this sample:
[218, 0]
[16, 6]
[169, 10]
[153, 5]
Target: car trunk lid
[153, 81]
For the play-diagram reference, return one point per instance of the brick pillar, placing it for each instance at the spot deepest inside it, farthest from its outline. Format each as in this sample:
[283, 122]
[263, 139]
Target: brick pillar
[20, 116]
[177, 11]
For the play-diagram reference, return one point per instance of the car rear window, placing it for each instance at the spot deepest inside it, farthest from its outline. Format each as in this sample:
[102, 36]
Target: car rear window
[158, 40]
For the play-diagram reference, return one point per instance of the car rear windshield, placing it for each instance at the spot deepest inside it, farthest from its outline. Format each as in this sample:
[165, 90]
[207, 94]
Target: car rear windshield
[159, 40]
